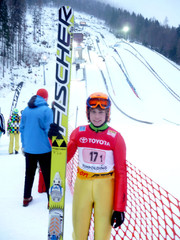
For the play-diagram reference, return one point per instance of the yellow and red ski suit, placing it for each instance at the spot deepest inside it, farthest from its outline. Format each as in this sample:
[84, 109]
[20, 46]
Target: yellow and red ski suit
[101, 179]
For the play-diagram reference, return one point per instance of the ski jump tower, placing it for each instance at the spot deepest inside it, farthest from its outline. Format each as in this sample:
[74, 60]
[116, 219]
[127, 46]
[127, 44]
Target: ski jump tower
[78, 49]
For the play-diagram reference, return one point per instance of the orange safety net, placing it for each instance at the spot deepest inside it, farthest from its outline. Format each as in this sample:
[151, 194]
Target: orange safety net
[151, 213]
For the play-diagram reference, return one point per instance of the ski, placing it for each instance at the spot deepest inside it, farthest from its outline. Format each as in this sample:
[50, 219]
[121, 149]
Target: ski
[16, 96]
[60, 109]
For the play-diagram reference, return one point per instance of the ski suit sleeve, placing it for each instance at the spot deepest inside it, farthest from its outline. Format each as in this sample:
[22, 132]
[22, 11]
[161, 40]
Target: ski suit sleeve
[120, 190]
[72, 145]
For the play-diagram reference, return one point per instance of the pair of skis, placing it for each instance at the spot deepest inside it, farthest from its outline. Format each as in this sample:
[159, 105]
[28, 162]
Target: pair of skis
[61, 110]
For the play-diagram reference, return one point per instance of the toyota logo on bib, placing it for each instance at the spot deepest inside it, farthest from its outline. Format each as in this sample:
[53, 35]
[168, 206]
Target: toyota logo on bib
[83, 140]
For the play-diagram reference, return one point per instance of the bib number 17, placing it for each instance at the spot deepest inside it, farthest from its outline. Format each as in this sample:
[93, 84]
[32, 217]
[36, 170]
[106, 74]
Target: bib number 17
[96, 157]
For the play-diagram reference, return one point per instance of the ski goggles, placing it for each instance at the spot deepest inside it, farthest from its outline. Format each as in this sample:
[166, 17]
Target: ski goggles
[95, 102]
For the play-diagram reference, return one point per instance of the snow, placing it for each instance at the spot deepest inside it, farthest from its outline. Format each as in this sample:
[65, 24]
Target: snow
[153, 148]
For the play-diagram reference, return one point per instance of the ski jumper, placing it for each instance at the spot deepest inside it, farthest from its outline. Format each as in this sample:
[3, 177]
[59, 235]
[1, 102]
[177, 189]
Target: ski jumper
[101, 180]
[13, 129]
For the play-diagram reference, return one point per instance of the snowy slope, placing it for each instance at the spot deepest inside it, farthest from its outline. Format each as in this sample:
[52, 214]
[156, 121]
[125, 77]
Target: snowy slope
[135, 78]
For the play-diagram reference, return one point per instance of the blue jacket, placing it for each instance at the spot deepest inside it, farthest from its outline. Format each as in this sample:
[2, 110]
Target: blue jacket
[34, 126]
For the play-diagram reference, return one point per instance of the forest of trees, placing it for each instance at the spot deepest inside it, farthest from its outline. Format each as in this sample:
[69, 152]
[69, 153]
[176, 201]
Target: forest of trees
[13, 31]
[13, 28]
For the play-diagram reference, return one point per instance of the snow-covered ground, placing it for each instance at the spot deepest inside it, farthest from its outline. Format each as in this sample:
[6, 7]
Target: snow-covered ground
[142, 84]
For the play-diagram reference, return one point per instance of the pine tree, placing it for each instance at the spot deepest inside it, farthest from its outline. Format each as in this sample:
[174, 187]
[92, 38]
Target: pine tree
[4, 33]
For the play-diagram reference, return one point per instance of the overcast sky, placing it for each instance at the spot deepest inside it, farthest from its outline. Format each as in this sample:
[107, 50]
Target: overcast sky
[160, 9]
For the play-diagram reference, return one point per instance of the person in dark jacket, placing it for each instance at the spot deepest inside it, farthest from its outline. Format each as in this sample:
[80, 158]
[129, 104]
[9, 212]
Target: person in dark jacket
[2, 124]
[35, 123]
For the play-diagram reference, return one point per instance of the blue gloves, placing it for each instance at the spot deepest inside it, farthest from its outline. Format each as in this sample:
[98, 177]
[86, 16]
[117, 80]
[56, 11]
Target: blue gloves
[117, 219]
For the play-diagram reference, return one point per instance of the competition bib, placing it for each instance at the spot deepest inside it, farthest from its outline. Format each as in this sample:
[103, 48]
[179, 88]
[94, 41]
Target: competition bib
[96, 157]
[96, 160]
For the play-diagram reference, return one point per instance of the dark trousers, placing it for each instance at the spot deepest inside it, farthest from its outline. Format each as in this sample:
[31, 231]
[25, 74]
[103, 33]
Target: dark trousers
[31, 165]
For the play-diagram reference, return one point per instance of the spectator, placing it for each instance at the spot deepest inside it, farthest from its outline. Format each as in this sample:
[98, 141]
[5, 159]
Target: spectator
[35, 122]
[2, 124]
[13, 130]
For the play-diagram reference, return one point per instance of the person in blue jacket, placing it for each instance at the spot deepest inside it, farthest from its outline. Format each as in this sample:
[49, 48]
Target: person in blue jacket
[35, 122]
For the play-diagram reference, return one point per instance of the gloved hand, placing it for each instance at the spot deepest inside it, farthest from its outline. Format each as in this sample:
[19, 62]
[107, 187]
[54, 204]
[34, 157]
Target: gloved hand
[117, 219]
[54, 131]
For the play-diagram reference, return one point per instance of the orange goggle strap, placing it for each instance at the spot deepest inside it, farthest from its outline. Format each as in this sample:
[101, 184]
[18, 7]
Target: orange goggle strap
[101, 102]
